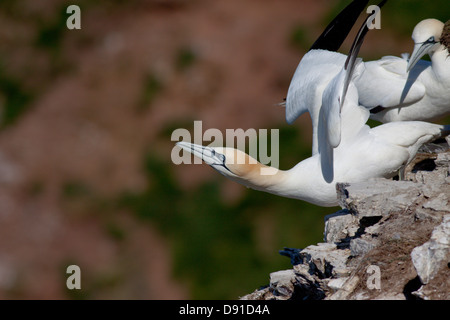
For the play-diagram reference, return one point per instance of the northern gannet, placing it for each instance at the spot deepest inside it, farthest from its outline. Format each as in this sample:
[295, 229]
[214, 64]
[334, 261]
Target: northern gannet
[349, 150]
[395, 89]
[385, 86]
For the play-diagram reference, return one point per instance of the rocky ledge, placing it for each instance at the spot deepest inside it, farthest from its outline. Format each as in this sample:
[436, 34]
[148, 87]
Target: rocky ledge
[390, 241]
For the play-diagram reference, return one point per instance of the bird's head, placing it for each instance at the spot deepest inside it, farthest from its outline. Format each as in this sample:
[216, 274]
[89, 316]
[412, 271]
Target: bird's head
[426, 36]
[232, 163]
[228, 161]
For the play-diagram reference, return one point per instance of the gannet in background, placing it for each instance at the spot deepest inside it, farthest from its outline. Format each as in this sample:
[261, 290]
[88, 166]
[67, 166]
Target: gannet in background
[397, 90]
[360, 153]
[385, 87]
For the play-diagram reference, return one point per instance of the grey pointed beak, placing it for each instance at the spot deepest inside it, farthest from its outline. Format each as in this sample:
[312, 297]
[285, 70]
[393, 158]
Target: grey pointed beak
[207, 154]
[420, 49]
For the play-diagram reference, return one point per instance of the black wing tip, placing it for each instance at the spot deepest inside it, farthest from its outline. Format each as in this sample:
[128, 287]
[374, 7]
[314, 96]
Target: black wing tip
[338, 29]
[350, 62]
[356, 45]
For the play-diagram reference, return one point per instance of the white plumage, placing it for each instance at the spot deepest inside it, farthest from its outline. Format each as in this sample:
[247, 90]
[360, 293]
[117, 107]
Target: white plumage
[423, 93]
[345, 149]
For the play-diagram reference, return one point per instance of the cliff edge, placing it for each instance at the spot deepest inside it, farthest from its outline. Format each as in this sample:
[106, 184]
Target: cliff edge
[391, 240]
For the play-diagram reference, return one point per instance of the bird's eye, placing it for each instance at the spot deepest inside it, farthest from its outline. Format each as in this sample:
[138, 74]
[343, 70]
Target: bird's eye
[431, 39]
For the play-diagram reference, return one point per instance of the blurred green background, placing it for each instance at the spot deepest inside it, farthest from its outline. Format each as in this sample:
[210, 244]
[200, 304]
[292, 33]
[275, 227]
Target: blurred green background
[86, 121]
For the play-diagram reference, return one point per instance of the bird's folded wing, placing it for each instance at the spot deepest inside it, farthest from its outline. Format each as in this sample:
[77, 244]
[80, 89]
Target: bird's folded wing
[385, 83]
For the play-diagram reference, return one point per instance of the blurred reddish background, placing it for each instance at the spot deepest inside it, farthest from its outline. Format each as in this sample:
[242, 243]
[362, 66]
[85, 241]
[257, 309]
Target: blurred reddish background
[82, 109]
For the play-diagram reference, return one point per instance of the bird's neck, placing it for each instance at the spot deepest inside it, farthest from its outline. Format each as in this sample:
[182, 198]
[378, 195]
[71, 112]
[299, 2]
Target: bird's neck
[285, 183]
[261, 177]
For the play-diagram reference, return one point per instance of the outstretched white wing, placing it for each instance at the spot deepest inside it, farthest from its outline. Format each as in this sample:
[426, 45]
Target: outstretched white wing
[311, 77]
[340, 106]
[319, 66]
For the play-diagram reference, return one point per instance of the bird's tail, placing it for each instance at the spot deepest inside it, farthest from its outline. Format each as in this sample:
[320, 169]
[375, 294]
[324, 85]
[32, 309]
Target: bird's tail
[440, 143]
[444, 136]
[440, 132]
